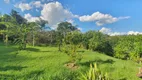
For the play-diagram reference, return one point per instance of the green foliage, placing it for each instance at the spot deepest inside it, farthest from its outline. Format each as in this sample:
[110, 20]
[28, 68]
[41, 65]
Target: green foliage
[17, 28]
[86, 37]
[22, 31]
[71, 51]
[122, 49]
[136, 54]
[71, 44]
[96, 42]
[129, 48]
[46, 38]
[62, 30]
[94, 73]
[99, 43]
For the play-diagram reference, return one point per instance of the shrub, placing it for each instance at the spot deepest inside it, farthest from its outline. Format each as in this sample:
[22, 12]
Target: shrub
[99, 43]
[94, 74]
[122, 49]
[128, 48]
[136, 54]
[71, 44]
[86, 37]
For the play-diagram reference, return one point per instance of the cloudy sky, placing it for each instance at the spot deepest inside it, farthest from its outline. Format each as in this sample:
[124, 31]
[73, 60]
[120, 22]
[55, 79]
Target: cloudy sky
[113, 17]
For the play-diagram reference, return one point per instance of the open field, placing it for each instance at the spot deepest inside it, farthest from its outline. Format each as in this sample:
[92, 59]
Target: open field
[46, 63]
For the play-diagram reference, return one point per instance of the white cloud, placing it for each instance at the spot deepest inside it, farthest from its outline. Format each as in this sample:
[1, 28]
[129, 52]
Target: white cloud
[30, 18]
[105, 30]
[29, 6]
[134, 33]
[111, 33]
[37, 4]
[116, 33]
[6, 1]
[79, 28]
[54, 13]
[23, 6]
[101, 18]
[70, 21]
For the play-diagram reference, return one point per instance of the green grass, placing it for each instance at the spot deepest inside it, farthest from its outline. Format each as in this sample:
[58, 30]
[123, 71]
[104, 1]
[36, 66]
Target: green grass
[46, 63]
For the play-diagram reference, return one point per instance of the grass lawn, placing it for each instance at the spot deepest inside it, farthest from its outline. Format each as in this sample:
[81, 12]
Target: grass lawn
[46, 63]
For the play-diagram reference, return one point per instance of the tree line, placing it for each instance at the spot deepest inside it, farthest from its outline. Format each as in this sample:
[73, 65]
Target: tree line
[14, 29]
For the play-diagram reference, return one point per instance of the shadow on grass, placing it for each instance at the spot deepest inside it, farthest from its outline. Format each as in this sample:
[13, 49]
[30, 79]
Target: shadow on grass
[46, 51]
[34, 75]
[6, 50]
[36, 50]
[32, 49]
[16, 68]
[123, 79]
[110, 61]
[7, 77]
[82, 51]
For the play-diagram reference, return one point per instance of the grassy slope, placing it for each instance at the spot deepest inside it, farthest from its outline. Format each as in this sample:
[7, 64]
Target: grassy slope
[42, 62]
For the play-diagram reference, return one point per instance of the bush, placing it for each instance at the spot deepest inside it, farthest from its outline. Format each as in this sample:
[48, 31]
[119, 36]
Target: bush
[99, 43]
[136, 54]
[122, 49]
[71, 44]
[128, 48]
[94, 74]
[86, 37]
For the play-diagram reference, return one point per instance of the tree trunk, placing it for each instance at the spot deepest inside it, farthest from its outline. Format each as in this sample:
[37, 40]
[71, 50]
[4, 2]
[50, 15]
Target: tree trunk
[3, 37]
[24, 45]
[33, 39]
[51, 38]
[6, 40]
[60, 45]
[24, 42]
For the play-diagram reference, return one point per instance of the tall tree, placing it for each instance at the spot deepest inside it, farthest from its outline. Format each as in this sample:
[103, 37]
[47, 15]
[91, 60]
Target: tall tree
[18, 17]
[62, 30]
[7, 23]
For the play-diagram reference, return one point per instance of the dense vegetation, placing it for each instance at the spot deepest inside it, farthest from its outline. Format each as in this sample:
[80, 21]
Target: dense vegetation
[15, 30]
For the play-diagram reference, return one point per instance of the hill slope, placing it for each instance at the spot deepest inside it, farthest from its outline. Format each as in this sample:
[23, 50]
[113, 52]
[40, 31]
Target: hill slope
[40, 63]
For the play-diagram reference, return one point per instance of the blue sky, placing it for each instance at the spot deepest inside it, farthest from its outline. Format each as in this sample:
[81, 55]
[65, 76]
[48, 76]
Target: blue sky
[109, 16]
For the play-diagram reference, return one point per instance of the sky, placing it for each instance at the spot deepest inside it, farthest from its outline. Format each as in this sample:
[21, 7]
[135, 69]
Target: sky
[113, 17]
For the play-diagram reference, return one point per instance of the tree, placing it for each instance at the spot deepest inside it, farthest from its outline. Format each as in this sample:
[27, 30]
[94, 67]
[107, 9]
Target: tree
[99, 43]
[86, 37]
[8, 25]
[19, 19]
[42, 23]
[62, 30]
[129, 47]
[25, 28]
[136, 53]
[34, 29]
[72, 42]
